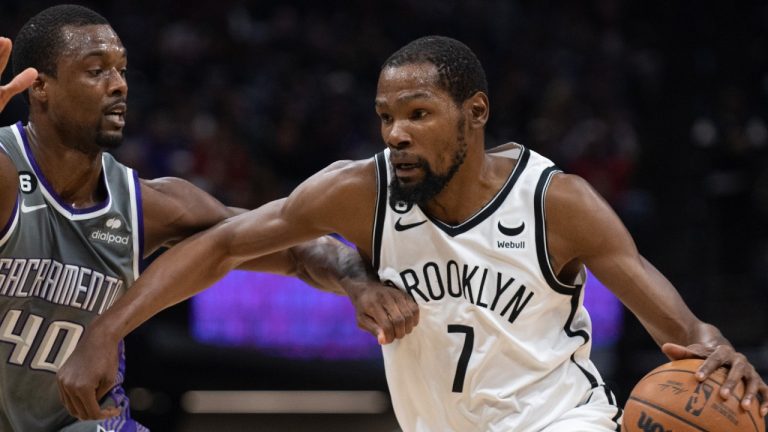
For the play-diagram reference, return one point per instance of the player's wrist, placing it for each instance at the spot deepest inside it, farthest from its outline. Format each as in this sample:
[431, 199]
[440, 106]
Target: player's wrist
[103, 332]
[352, 287]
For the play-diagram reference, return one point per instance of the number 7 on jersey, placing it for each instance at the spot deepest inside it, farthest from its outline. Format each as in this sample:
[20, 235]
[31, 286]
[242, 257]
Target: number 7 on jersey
[466, 352]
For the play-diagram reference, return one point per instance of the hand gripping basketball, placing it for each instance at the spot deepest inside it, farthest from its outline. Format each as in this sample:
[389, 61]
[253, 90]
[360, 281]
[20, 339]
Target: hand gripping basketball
[671, 398]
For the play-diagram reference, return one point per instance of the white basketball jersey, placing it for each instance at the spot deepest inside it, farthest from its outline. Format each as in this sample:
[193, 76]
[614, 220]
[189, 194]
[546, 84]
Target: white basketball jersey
[502, 344]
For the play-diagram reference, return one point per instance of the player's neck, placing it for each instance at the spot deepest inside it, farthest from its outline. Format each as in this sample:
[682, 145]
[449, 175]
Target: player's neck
[472, 187]
[73, 174]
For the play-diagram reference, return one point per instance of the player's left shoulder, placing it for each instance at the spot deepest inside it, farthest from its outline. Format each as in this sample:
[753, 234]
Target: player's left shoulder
[573, 205]
[569, 191]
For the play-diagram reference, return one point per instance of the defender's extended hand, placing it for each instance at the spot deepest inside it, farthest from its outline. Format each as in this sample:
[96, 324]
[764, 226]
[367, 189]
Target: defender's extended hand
[18, 83]
[739, 368]
[386, 312]
[87, 375]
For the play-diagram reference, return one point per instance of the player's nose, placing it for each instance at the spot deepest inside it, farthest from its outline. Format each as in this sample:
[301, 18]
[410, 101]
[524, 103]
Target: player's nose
[397, 136]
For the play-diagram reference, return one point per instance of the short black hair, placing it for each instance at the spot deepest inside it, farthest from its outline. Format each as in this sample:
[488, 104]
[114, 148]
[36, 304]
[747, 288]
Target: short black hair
[39, 42]
[460, 72]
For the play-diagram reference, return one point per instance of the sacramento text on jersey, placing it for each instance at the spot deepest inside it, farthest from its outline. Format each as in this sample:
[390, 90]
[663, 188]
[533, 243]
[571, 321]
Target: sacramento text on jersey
[65, 284]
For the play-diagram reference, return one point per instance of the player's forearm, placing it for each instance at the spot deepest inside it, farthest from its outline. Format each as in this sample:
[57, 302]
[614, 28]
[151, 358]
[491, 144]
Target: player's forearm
[329, 265]
[178, 274]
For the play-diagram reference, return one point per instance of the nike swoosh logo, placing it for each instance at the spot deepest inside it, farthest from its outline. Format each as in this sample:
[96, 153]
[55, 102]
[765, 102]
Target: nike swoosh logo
[511, 231]
[403, 227]
[28, 209]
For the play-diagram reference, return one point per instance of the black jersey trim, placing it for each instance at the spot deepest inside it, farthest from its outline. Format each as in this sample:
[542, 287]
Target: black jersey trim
[615, 419]
[492, 206]
[381, 208]
[591, 378]
[574, 307]
[542, 252]
[612, 401]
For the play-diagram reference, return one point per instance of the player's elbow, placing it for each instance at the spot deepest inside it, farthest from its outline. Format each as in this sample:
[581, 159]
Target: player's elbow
[220, 246]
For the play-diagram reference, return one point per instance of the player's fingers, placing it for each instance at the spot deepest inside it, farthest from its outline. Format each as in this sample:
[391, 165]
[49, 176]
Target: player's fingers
[750, 391]
[718, 358]
[679, 352]
[105, 385]
[735, 374]
[110, 412]
[396, 319]
[92, 408]
[83, 399]
[5, 52]
[380, 316]
[18, 84]
[368, 324]
[410, 313]
[78, 407]
[66, 400]
[21, 81]
[764, 400]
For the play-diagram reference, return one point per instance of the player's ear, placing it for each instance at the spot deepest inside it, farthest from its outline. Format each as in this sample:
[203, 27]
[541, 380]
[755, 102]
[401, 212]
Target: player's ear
[39, 89]
[479, 109]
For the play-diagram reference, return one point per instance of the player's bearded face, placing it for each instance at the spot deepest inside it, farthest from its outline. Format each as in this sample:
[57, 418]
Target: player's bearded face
[108, 139]
[432, 183]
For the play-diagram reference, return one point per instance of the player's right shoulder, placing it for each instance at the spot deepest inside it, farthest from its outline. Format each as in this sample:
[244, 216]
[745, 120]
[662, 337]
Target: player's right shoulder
[345, 176]
[341, 188]
[351, 167]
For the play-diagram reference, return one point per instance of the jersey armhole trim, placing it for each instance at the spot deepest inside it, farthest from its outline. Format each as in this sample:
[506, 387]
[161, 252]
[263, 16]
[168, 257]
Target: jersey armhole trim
[381, 208]
[137, 214]
[542, 251]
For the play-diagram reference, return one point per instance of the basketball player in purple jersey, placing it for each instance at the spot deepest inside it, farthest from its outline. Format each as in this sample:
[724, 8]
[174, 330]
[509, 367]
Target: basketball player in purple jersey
[75, 223]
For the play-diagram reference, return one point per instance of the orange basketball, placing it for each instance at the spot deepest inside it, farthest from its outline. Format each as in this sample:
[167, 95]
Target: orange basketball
[670, 398]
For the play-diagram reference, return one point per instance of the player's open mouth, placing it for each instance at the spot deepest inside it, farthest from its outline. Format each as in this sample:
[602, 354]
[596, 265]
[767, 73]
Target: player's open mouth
[116, 114]
[406, 168]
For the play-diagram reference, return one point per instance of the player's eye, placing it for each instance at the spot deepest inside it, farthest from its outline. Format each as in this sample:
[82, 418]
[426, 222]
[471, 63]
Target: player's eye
[418, 114]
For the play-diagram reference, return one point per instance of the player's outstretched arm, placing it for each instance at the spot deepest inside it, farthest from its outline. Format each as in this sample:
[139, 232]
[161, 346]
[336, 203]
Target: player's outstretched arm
[20, 82]
[175, 209]
[582, 228]
[313, 210]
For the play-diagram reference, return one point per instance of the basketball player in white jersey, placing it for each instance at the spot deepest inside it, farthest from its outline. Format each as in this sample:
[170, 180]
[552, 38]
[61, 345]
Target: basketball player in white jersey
[492, 245]
[75, 223]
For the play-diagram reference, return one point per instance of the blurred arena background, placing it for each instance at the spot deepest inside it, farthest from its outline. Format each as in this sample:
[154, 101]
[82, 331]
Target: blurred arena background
[662, 106]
